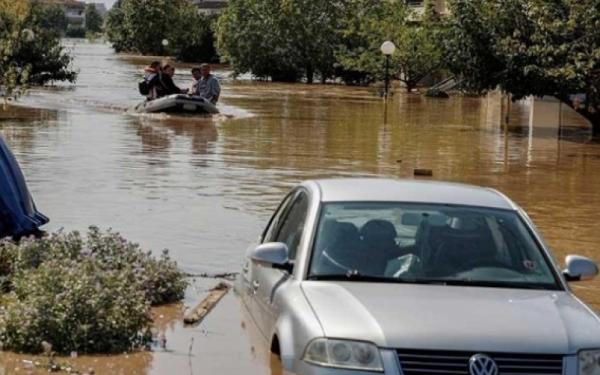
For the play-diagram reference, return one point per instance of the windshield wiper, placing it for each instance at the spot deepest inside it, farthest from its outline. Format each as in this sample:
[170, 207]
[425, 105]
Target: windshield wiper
[488, 284]
[355, 276]
[351, 276]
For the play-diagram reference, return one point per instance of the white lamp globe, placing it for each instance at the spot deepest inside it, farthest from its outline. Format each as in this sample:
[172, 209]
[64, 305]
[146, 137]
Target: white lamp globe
[28, 35]
[388, 48]
[165, 42]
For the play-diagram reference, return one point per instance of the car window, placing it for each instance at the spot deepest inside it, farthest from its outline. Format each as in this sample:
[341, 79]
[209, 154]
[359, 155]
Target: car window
[275, 222]
[292, 226]
[423, 243]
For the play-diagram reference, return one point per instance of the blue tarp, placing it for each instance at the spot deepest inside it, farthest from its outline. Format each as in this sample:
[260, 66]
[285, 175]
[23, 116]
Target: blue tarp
[18, 214]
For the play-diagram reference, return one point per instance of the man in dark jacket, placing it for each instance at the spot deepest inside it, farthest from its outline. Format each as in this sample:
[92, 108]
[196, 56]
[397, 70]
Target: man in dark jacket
[163, 84]
[166, 86]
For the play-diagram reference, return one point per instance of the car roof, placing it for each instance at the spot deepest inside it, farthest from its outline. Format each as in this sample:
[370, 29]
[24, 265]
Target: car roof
[413, 191]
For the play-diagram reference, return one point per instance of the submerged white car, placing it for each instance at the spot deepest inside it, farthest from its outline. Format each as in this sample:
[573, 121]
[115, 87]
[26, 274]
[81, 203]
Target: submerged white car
[362, 276]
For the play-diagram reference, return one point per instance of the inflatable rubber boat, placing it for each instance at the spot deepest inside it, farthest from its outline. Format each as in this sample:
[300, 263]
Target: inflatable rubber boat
[18, 214]
[177, 103]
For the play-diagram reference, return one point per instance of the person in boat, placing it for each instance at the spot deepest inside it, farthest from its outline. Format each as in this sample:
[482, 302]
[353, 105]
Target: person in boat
[208, 85]
[164, 83]
[196, 75]
[147, 86]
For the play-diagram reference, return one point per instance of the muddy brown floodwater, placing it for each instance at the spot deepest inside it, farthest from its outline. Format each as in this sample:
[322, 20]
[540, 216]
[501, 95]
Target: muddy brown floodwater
[204, 187]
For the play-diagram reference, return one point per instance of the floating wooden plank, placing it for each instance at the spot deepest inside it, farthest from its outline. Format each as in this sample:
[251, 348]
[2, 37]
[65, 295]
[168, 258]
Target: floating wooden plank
[198, 313]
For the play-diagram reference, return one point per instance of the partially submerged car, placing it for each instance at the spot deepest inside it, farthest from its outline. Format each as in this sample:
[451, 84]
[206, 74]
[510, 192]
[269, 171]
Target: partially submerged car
[356, 276]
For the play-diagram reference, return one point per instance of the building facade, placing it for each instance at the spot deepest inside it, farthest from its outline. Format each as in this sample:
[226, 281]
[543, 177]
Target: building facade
[419, 5]
[210, 6]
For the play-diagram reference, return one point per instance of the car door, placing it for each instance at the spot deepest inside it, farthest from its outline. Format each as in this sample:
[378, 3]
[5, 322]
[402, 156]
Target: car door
[251, 269]
[267, 280]
[248, 269]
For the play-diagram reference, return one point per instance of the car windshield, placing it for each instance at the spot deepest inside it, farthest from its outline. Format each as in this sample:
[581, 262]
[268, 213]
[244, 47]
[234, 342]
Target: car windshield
[428, 243]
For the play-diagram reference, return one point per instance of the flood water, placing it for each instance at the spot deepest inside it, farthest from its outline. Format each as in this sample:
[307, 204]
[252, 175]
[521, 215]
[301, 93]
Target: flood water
[205, 187]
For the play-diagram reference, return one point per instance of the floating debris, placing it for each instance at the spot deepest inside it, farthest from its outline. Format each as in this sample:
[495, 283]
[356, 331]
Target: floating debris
[230, 276]
[204, 308]
[423, 172]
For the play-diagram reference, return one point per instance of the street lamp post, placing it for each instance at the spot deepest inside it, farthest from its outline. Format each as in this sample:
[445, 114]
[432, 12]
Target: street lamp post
[387, 48]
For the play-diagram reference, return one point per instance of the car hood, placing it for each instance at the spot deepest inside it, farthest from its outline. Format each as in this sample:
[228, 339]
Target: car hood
[441, 317]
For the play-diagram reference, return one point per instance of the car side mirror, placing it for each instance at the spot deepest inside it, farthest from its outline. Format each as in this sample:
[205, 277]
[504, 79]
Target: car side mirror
[272, 254]
[580, 268]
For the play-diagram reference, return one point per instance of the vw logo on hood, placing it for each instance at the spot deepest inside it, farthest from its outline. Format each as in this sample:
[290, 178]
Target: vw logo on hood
[481, 364]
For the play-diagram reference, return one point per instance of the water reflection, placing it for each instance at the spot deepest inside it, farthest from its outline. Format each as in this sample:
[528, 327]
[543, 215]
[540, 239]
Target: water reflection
[156, 135]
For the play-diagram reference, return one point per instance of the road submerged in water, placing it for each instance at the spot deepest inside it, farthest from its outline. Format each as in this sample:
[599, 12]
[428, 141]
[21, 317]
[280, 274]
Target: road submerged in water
[205, 187]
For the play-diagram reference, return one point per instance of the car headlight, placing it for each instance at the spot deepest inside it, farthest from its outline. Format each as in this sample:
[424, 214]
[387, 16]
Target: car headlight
[355, 355]
[589, 362]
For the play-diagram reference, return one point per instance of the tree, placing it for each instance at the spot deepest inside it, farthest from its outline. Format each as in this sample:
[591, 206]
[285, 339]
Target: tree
[13, 17]
[281, 40]
[117, 32]
[51, 17]
[30, 52]
[93, 19]
[368, 23]
[133, 26]
[194, 41]
[529, 47]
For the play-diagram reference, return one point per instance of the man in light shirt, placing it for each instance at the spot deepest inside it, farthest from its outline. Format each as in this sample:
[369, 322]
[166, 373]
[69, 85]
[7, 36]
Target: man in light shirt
[208, 85]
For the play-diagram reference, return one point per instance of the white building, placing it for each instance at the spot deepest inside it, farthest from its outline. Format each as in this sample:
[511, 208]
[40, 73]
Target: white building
[419, 5]
[210, 6]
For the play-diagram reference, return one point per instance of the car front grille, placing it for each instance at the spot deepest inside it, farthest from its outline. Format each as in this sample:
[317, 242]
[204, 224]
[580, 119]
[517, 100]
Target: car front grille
[434, 362]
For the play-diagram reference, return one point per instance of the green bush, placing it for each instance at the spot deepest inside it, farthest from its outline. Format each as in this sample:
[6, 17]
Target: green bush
[75, 306]
[88, 294]
[159, 278]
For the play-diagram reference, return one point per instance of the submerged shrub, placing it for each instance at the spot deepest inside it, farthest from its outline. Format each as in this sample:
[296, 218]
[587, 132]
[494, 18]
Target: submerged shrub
[160, 278]
[75, 306]
[88, 294]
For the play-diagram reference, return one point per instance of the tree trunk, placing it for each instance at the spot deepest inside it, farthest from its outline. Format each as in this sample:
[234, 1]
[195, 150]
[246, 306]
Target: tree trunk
[595, 125]
[592, 117]
[310, 75]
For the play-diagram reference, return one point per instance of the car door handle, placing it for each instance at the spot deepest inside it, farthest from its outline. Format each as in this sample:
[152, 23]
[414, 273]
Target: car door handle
[255, 286]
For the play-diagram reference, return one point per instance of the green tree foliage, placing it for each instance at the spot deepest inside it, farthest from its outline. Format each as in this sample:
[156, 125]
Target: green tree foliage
[51, 17]
[529, 47]
[289, 40]
[196, 43]
[368, 23]
[93, 19]
[116, 31]
[30, 51]
[141, 26]
[281, 40]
